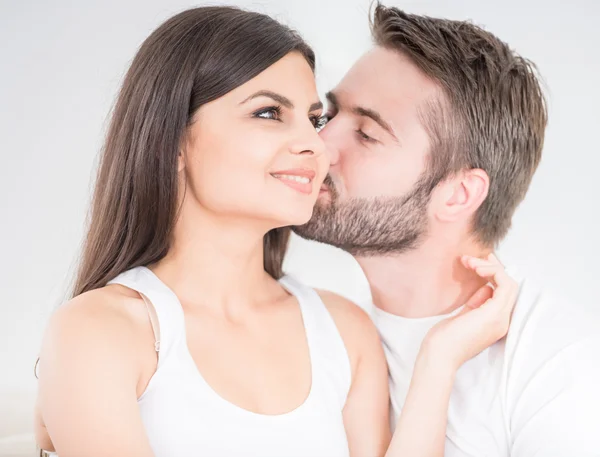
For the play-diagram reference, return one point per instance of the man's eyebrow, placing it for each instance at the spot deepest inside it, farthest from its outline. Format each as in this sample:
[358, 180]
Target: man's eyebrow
[363, 112]
[372, 114]
[332, 99]
[281, 99]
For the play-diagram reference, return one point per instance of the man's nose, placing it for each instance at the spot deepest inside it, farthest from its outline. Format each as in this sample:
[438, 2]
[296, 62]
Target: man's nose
[327, 135]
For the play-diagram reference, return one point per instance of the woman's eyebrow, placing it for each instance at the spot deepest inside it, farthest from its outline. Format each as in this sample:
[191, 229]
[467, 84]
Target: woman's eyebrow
[281, 99]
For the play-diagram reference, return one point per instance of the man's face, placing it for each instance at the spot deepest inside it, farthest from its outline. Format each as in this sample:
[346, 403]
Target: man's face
[376, 196]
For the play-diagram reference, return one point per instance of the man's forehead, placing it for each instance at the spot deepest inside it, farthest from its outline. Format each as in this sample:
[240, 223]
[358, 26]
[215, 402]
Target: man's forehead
[385, 78]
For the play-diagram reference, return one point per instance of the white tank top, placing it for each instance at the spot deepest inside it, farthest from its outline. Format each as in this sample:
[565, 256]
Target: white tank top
[183, 416]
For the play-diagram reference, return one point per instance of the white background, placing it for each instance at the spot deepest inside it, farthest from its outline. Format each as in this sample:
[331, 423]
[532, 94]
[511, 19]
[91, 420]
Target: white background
[61, 64]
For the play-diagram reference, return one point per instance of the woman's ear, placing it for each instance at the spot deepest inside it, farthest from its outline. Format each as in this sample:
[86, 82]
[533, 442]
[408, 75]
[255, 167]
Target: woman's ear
[180, 161]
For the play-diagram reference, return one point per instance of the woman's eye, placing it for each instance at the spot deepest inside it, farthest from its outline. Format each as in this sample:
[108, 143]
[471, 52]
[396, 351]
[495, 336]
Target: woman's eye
[319, 121]
[272, 112]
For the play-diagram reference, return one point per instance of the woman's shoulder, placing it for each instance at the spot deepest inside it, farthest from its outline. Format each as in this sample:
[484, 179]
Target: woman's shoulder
[102, 319]
[113, 304]
[354, 325]
[348, 316]
[345, 312]
[90, 355]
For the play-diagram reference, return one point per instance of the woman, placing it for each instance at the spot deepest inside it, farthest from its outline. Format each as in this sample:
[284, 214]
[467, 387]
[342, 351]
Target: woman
[183, 337]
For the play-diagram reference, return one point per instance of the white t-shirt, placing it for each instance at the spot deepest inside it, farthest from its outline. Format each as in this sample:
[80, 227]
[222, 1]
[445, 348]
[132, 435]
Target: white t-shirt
[535, 393]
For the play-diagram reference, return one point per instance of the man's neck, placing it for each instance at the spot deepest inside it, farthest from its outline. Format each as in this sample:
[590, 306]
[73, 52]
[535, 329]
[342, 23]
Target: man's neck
[428, 281]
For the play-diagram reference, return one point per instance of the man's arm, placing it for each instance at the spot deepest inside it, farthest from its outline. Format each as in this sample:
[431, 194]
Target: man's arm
[553, 379]
[557, 412]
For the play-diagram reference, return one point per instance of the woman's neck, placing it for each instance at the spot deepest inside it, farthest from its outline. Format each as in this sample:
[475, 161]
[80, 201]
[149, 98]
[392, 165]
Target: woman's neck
[217, 262]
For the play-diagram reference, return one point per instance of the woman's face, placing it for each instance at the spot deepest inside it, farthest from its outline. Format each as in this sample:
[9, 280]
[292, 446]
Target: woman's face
[255, 152]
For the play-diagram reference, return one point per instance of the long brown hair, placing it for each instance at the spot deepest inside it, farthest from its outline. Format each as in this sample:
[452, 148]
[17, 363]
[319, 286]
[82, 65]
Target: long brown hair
[193, 58]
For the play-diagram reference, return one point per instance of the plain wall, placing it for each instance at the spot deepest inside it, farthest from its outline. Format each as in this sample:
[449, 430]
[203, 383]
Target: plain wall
[61, 64]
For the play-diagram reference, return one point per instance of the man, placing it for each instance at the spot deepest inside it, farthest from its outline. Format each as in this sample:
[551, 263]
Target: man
[435, 135]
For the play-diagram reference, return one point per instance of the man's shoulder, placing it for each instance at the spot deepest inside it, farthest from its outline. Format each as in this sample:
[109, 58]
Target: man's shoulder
[551, 372]
[548, 330]
[549, 314]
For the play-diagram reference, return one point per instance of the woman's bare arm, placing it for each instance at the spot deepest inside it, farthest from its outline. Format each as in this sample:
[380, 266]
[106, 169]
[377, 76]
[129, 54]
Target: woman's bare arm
[88, 375]
[366, 412]
[421, 429]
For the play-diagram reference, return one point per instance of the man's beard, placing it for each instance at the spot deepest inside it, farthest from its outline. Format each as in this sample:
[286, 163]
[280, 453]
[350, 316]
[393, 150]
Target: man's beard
[369, 227]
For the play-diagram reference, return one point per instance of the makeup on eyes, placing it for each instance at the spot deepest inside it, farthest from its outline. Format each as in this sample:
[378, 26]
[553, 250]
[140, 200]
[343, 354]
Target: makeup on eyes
[268, 109]
[318, 121]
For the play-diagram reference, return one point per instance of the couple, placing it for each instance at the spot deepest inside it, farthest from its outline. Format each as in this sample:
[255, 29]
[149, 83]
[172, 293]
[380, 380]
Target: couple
[184, 337]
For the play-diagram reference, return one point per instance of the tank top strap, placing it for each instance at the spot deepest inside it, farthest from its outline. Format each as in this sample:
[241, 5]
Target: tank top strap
[328, 353]
[170, 324]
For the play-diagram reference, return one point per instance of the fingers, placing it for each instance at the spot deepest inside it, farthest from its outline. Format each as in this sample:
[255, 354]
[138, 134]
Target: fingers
[505, 293]
[489, 268]
[480, 297]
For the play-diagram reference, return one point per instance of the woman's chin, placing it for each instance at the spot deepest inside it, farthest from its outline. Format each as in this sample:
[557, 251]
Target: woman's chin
[293, 218]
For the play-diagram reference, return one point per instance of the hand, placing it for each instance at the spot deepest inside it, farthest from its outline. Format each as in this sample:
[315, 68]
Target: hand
[484, 319]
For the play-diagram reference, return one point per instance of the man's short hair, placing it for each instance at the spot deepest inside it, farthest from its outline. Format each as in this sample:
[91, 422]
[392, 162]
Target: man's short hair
[491, 113]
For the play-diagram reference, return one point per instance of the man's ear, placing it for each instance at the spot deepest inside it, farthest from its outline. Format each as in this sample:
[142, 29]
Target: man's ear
[461, 194]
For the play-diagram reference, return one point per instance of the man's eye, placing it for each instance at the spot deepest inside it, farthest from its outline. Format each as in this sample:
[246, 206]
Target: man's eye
[363, 136]
[272, 112]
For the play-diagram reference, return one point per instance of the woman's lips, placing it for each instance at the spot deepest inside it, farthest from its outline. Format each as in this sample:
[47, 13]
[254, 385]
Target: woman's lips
[298, 179]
